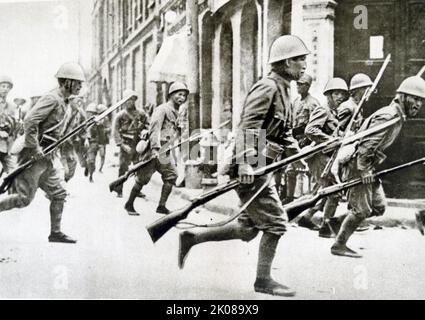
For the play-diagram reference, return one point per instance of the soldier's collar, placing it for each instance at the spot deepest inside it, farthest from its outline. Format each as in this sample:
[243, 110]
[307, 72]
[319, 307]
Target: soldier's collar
[399, 108]
[281, 80]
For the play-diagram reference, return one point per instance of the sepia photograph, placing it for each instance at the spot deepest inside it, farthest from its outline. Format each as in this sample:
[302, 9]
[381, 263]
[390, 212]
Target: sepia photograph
[212, 150]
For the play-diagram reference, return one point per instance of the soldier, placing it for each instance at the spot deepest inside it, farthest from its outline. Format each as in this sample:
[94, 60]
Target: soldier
[359, 83]
[104, 133]
[43, 125]
[162, 133]
[20, 102]
[97, 138]
[368, 199]
[323, 124]
[68, 157]
[128, 125]
[267, 106]
[8, 125]
[303, 106]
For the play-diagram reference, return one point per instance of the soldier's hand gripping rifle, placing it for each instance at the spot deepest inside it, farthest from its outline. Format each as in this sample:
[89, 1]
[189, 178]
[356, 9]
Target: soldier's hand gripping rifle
[8, 180]
[296, 207]
[356, 112]
[138, 166]
[158, 228]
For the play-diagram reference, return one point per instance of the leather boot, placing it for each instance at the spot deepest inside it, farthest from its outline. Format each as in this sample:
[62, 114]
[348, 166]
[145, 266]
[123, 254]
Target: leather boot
[129, 205]
[264, 282]
[56, 209]
[165, 193]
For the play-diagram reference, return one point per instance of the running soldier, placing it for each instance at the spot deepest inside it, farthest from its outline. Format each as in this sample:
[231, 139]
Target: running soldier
[303, 106]
[98, 139]
[368, 199]
[8, 125]
[128, 125]
[322, 126]
[267, 106]
[163, 133]
[43, 125]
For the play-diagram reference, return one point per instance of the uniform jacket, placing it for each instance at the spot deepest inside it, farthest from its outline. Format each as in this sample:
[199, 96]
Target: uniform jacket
[164, 125]
[8, 124]
[45, 122]
[268, 106]
[99, 133]
[370, 149]
[127, 126]
[322, 124]
[346, 111]
[302, 109]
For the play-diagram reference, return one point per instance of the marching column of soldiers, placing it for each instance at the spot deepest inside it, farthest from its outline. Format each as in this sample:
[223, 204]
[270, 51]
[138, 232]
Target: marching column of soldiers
[59, 126]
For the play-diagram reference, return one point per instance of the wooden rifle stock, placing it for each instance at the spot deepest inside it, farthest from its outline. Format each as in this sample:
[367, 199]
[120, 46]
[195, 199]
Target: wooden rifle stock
[296, 207]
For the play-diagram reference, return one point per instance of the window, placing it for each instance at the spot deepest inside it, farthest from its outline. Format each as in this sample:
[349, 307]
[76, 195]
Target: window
[376, 49]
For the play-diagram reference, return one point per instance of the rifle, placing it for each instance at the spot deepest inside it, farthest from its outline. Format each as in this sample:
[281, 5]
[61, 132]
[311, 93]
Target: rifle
[296, 207]
[7, 180]
[356, 112]
[158, 228]
[138, 166]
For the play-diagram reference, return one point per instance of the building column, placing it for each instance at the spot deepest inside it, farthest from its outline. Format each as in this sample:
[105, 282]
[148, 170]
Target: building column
[236, 72]
[318, 33]
[216, 98]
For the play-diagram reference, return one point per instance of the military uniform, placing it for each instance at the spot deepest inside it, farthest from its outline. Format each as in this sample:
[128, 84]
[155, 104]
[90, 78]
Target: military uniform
[43, 125]
[267, 104]
[369, 199]
[302, 109]
[345, 112]
[67, 150]
[8, 132]
[127, 129]
[162, 133]
[98, 137]
[321, 127]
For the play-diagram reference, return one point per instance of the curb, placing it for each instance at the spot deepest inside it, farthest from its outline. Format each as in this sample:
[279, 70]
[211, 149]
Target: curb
[403, 220]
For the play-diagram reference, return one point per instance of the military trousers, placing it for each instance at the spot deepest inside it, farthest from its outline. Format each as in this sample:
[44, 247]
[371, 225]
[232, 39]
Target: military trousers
[43, 174]
[265, 213]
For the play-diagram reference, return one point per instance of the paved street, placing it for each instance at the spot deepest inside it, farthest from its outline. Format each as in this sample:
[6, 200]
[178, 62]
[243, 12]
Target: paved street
[115, 258]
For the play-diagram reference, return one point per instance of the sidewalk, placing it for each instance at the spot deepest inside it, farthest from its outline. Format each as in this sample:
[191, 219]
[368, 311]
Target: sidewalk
[400, 212]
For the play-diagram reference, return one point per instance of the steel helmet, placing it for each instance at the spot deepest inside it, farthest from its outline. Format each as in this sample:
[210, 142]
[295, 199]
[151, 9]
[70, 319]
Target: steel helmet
[130, 93]
[6, 79]
[335, 84]
[91, 108]
[414, 86]
[101, 108]
[305, 78]
[360, 80]
[177, 86]
[286, 47]
[71, 70]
